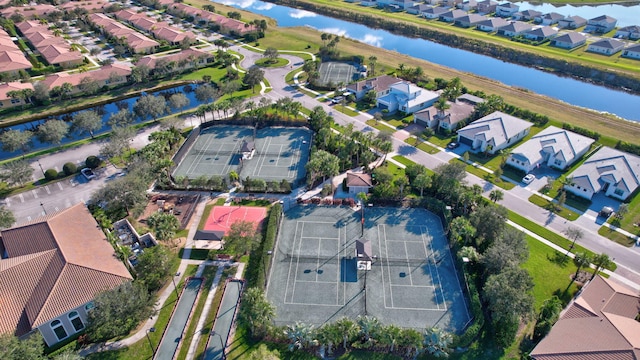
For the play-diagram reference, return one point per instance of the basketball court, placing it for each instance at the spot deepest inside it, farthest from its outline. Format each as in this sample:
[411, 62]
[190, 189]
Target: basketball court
[333, 72]
[221, 217]
[412, 281]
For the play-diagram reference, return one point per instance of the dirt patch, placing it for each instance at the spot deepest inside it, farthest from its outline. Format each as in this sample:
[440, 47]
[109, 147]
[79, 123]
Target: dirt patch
[181, 206]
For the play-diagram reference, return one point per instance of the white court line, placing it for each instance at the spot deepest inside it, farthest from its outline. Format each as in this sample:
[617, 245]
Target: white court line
[386, 251]
[35, 193]
[433, 255]
[316, 282]
[416, 286]
[311, 304]
[318, 237]
[297, 266]
[197, 158]
[286, 291]
[262, 157]
[416, 309]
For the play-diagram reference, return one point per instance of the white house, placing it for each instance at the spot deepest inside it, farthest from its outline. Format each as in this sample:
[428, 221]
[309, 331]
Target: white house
[553, 147]
[434, 12]
[493, 132]
[468, 5]
[606, 46]
[380, 84]
[418, 9]
[548, 19]
[629, 32]
[452, 15]
[541, 33]
[601, 24]
[632, 52]
[572, 22]
[470, 20]
[569, 40]
[611, 171]
[526, 15]
[51, 270]
[407, 97]
[487, 6]
[358, 182]
[492, 24]
[507, 9]
[515, 28]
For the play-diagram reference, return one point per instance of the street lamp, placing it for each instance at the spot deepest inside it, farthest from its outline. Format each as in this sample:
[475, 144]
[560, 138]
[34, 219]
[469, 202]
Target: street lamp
[465, 261]
[43, 209]
[153, 349]
[41, 169]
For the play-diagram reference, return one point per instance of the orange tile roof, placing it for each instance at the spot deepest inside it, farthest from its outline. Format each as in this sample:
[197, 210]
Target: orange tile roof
[89, 5]
[150, 60]
[11, 86]
[101, 74]
[56, 54]
[359, 179]
[28, 10]
[55, 264]
[13, 61]
[128, 15]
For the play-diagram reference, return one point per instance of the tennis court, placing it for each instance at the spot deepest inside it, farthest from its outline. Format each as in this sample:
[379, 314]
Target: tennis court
[412, 281]
[280, 153]
[221, 217]
[333, 72]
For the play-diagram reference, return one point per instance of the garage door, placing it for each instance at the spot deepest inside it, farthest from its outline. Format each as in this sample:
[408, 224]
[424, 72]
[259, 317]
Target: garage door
[466, 141]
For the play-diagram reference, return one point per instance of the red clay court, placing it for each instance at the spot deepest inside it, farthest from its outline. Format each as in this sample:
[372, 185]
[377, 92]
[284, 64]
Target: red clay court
[221, 217]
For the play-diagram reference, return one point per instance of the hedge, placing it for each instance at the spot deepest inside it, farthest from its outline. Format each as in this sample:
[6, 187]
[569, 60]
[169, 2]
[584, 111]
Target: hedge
[50, 174]
[260, 261]
[588, 133]
[69, 168]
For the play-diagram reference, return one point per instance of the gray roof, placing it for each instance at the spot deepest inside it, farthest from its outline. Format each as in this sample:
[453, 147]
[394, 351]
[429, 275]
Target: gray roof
[608, 44]
[607, 18]
[544, 31]
[631, 29]
[454, 14]
[247, 146]
[379, 83]
[553, 16]
[472, 18]
[561, 143]
[621, 168]
[497, 127]
[363, 249]
[494, 22]
[575, 18]
[517, 26]
[420, 7]
[470, 99]
[530, 13]
[634, 48]
[509, 6]
[435, 10]
[571, 37]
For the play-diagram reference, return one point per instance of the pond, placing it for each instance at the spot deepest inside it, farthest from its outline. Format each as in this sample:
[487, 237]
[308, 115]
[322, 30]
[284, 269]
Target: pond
[569, 90]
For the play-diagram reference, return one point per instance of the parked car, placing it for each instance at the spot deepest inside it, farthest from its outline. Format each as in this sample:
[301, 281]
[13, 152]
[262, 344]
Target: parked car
[88, 173]
[337, 99]
[527, 179]
[606, 212]
[453, 145]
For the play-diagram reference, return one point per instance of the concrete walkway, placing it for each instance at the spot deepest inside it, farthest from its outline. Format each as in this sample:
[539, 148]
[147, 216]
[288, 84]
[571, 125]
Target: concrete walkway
[205, 312]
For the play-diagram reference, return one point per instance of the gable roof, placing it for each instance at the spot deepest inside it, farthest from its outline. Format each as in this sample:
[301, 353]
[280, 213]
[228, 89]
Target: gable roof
[54, 265]
[633, 48]
[544, 31]
[604, 314]
[570, 37]
[608, 43]
[379, 83]
[359, 179]
[101, 74]
[559, 142]
[494, 23]
[12, 86]
[517, 27]
[496, 127]
[13, 60]
[151, 60]
[619, 167]
[605, 18]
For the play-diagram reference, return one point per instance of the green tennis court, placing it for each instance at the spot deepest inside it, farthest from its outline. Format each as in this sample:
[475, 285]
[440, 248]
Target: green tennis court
[334, 72]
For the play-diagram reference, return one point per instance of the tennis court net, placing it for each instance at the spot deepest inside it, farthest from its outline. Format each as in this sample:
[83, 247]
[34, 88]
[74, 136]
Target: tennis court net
[237, 152]
[375, 261]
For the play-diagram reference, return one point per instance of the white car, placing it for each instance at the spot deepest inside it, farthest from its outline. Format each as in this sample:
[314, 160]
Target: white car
[528, 178]
[88, 173]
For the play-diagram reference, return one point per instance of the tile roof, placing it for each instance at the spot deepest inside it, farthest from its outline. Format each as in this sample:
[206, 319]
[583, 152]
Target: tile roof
[150, 60]
[544, 31]
[494, 23]
[13, 61]
[101, 74]
[604, 313]
[561, 143]
[359, 179]
[622, 168]
[496, 127]
[633, 48]
[54, 265]
[56, 54]
[11, 86]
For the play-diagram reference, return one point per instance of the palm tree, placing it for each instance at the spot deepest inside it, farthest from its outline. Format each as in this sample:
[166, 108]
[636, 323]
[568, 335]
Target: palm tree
[369, 328]
[437, 342]
[348, 328]
[256, 312]
[412, 340]
[581, 259]
[574, 234]
[390, 336]
[372, 64]
[600, 261]
[300, 335]
[441, 105]
[496, 195]
[329, 334]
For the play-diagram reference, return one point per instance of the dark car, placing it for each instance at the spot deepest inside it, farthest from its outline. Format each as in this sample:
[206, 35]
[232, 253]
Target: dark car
[453, 145]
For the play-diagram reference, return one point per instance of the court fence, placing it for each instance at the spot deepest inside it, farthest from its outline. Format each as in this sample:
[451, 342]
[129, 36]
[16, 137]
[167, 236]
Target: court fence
[259, 123]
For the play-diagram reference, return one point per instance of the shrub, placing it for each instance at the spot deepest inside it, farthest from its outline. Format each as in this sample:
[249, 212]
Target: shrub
[69, 168]
[92, 162]
[51, 174]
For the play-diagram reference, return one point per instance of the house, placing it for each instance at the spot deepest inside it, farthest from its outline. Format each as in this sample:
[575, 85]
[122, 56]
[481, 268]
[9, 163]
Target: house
[493, 132]
[516, 28]
[632, 52]
[12, 60]
[434, 12]
[61, 55]
[507, 9]
[526, 15]
[553, 147]
[604, 313]
[207, 18]
[128, 15]
[492, 24]
[448, 119]
[601, 24]
[403, 4]
[548, 19]
[358, 182]
[451, 3]
[433, 2]
[30, 11]
[89, 5]
[108, 75]
[185, 59]
[51, 270]
[468, 5]
[369, 3]
[407, 97]
[541, 33]
[7, 101]
[611, 171]
[418, 9]
[452, 15]
[138, 43]
[248, 149]
[569, 40]
[380, 84]
[54, 49]
[606, 46]
[572, 22]
[470, 20]
[629, 32]
[487, 6]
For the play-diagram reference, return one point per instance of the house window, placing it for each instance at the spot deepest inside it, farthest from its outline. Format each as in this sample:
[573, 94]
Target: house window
[89, 306]
[58, 329]
[558, 162]
[76, 321]
[619, 192]
[15, 101]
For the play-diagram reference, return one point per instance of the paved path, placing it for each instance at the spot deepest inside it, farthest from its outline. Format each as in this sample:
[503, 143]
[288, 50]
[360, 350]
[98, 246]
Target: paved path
[205, 312]
[219, 336]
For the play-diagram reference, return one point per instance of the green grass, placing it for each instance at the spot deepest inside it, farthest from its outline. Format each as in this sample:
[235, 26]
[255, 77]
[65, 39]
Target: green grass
[631, 219]
[546, 204]
[196, 254]
[205, 215]
[394, 169]
[616, 236]
[422, 146]
[406, 162]
[380, 126]
[264, 62]
[345, 110]
[506, 185]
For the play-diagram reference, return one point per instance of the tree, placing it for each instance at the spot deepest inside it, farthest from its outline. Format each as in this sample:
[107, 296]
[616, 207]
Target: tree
[149, 105]
[322, 164]
[122, 118]
[348, 328]
[118, 142]
[256, 312]
[52, 131]
[164, 225]
[453, 89]
[253, 77]
[6, 218]
[369, 328]
[40, 93]
[489, 221]
[126, 193]
[461, 230]
[87, 121]
[623, 210]
[271, 53]
[178, 101]
[549, 314]
[574, 234]
[205, 93]
[509, 295]
[17, 172]
[31, 348]
[13, 140]
[581, 259]
[154, 267]
[140, 74]
[68, 354]
[509, 250]
[89, 86]
[118, 311]
[263, 353]
[373, 60]
[300, 336]
[600, 261]
[496, 195]
[241, 237]
[437, 342]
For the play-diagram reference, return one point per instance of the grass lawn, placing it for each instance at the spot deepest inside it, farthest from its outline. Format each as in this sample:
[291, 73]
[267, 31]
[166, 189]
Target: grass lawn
[196, 254]
[546, 204]
[441, 140]
[268, 63]
[205, 214]
[422, 146]
[631, 219]
[406, 162]
[380, 126]
[616, 236]
[394, 169]
[345, 110]
[487, 176]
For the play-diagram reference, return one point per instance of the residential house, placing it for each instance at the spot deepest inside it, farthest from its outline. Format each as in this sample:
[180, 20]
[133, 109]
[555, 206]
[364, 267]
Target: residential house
[507, 9]
[492, 24]
[468, 5]
[452, 15]
[185, 59]
[51, 270]
[516, 28]
[12, 59]
[606, 46]
[487, 6]
[7, 101]
[541, 33]
[89, 5]
[137, 42]
[451, 3]
[418, 9]
[548, 19]
[572, 22]
[448, 119]
[62, 56]
[553, 147]
[611, 171]
[569, 40]
[29, 11]
[526, 15]
[629, 32]
[407, 97]
[601, 24]
[470, 20]
[128, 15]
[434, 12]
[433, 2]
[380, 84]
[54, 49]
[605, 314]
[403, 4]
[207, 18]
[358, 182]
[493, 132]
[108, 75]
[632, 52]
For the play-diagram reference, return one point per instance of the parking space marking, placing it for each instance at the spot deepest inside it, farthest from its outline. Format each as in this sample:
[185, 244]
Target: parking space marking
[21, 197]
[46, 187]
[35, 193]
[60, 185]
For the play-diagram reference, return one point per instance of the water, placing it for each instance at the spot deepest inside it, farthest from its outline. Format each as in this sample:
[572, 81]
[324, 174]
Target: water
[111, 108]
[569, 90]
[626, 15]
